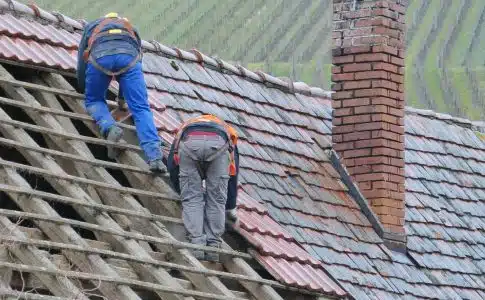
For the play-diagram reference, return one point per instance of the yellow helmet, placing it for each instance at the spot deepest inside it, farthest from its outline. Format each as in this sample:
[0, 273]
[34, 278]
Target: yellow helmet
[111, 15]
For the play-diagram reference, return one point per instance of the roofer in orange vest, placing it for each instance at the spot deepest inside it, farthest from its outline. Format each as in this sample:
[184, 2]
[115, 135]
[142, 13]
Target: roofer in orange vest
[110, 48]
[205, 148]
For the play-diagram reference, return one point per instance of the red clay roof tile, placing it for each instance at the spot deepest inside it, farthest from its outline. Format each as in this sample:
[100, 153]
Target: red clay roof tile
[263, 224]
[29, 51]
[300, 275]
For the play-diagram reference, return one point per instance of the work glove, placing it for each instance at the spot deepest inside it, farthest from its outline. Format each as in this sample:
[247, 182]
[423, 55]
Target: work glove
[231, 215]
[122, 105]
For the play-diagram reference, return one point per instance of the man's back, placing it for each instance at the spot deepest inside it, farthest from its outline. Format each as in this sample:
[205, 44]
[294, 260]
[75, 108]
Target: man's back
[112, 43]
[108, 35]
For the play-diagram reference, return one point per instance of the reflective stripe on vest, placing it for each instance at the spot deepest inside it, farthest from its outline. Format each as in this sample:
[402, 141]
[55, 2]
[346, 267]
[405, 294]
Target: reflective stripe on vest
[231, 134]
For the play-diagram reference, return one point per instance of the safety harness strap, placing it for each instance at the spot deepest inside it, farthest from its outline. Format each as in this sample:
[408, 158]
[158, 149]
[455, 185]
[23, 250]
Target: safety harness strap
[202, 165]
[97, 33]
[120, 71]
[231, 135]
[219, 152]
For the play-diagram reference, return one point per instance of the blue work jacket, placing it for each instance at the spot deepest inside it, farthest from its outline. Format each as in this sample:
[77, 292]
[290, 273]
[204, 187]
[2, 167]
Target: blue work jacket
[105, 45]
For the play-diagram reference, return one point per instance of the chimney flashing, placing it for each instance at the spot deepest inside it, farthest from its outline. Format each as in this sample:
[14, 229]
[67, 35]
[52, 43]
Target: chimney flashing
[395, 241]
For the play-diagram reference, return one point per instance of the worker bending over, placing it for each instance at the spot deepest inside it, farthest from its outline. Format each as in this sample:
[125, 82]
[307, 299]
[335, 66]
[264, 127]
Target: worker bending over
[111, 48]
[205, 148]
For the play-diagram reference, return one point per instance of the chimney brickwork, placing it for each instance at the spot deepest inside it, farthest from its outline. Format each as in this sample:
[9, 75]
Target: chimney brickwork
[368, 77]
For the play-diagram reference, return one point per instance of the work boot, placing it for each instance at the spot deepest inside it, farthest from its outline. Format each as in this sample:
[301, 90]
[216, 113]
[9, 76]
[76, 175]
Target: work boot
[199, 254]
[212, 256]
[231, 215]
[157, 166]
[114, 135]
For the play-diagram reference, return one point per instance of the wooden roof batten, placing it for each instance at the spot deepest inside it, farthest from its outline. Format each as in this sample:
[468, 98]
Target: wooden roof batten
[120, 208]
[119, 280]
[234, 265]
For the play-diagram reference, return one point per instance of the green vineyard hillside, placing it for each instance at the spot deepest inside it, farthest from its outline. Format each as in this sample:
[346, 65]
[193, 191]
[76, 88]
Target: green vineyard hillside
[445, 65]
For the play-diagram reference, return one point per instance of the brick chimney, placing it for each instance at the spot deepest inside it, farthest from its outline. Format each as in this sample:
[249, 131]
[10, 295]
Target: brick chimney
[368, 76]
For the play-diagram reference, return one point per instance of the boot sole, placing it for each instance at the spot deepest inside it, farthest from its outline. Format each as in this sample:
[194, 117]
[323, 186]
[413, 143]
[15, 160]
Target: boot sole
[159, 172]
[212, 260]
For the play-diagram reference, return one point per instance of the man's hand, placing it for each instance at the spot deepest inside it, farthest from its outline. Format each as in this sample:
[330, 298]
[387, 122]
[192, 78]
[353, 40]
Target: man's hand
[122, 104]
[231, 215]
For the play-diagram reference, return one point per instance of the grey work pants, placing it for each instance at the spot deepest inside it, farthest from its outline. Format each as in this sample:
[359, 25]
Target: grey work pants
[204, 215]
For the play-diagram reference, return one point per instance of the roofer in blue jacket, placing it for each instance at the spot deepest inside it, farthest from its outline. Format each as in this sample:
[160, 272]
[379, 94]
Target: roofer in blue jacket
[110, 48]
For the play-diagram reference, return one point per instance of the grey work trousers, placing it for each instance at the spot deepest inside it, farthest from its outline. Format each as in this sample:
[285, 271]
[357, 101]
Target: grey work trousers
[204, 213]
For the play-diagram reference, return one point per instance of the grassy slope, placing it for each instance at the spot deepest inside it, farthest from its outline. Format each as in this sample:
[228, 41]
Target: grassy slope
[433, 74]
[292, 38]
[415, 46]
[460, 79]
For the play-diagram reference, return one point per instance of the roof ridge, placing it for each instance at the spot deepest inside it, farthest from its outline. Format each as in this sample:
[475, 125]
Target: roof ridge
[283, 83]
[462, 122]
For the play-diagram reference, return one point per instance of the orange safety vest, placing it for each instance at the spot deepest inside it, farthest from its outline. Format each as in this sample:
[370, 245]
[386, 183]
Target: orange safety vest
[231, 134]
[99, 32]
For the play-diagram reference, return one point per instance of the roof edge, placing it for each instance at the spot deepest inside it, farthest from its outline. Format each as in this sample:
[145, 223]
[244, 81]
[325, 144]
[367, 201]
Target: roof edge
[283, 83]
[462, 122]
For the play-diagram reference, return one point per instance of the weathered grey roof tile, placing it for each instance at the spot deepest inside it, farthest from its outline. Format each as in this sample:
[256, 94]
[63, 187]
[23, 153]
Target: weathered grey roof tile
[219, 79]
[182, 87]
[162, 66]
[232, 85]
[197, 73]
[415, 185]
[363, 263]
[332, 257]
[246, 89]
